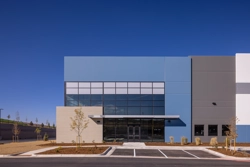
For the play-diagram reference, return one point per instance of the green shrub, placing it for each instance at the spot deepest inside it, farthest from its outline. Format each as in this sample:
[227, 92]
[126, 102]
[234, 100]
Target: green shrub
[198, 141]
[171, 139]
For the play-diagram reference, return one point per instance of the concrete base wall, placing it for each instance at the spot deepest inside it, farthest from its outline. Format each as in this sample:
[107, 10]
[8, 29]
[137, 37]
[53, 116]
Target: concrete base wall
[94, 130]
[27, 132]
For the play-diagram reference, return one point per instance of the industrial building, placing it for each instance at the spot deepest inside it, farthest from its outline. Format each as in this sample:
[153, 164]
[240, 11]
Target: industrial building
[129, 99]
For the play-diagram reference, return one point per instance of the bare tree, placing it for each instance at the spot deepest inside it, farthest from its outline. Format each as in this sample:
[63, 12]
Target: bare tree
[26, 120]
[232, 130]
[16, 131]
[47, 122]
[78, 124]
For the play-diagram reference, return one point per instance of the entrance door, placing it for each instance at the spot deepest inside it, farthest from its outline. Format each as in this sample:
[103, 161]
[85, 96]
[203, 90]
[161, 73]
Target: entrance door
[134, 133]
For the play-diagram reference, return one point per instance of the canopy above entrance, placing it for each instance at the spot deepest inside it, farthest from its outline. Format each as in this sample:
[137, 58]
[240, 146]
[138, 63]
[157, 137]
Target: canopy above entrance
[135, 116]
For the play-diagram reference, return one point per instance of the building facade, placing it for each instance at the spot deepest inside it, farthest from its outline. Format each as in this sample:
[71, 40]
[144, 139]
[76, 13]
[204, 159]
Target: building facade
[152, 98]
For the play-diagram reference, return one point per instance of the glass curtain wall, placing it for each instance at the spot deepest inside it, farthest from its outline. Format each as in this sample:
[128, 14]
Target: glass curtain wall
[122, 104]
[116, 129]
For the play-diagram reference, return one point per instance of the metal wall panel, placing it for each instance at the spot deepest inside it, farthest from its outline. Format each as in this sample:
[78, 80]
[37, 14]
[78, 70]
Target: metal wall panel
[213, 81]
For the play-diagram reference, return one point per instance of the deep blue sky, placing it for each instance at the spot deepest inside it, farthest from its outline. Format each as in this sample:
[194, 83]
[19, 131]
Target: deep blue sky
[35, 36]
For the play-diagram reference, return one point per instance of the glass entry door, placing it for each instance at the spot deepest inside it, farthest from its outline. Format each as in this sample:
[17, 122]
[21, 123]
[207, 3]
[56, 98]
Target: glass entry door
[134, 133]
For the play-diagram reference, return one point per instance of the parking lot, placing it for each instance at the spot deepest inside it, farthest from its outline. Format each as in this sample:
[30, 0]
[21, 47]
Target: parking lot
[196, 154]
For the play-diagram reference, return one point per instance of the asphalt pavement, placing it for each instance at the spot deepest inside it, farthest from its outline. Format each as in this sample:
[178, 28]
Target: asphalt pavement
[163, 153]
[114, 162]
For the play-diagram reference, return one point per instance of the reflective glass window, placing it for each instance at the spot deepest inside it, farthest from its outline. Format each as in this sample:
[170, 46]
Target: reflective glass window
[96, 103]
[146, 122]
[134, 111]
[146, 91]
[71, 91]
[84, 84]
[121, 110]
[146, 110]
[121, 91]
[96, 97]
[109, 97]
[158, 130]
[84, 91]
[121, 103]
[96, 90]
[121, 97]
[134, 121]
[109, 110]
[109, 103]
[121, 133]
[109, 91]
[146, 97]
[109, 121]
[71, 84]
[84, 102]
[199, 130]
[72, 97]
[109, 84]
[84, 97]
[109, 133]
[159, 97]
[212, 130]
[71, 103]
[134, 103]
[159, 103]
[146, 103]
[146, 133]
[121, 121]
[133, 90]
[121, 84]
[159, 110]
[134, 97]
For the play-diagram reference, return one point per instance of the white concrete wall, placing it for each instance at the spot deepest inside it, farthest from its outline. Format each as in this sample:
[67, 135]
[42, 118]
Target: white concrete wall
[94, 131]
[243, 76]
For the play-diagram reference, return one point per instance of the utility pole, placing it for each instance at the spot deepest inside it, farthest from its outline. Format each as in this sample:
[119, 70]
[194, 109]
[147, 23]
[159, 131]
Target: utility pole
[0, 124]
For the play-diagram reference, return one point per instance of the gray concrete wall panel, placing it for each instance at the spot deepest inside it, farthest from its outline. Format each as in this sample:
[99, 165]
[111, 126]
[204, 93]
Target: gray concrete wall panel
[213, 81]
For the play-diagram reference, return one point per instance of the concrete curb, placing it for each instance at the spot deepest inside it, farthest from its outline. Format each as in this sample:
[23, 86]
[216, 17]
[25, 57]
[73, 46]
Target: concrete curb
[226, 156]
